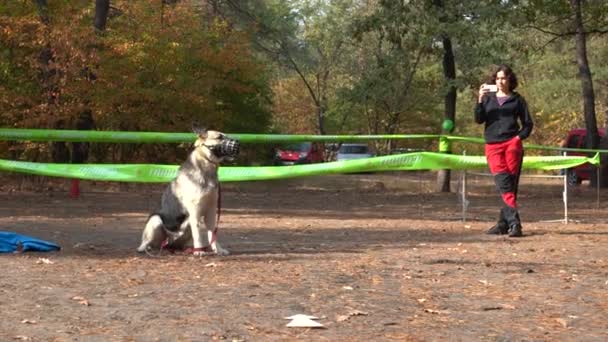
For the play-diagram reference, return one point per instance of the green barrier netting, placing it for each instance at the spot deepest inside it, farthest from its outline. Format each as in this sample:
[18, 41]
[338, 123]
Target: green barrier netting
[16, 134]
[163, 137]
[150, 173]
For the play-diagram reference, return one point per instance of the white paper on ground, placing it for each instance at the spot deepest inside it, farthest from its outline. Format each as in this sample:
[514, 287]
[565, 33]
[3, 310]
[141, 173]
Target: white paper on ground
[304, 322]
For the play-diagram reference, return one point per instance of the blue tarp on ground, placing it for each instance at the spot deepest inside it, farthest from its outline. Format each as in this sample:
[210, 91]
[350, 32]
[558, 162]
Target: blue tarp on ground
[13, 242]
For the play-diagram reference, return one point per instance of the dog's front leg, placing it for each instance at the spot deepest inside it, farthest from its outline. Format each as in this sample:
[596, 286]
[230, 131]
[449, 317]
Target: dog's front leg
[211, 223]
[197, 239]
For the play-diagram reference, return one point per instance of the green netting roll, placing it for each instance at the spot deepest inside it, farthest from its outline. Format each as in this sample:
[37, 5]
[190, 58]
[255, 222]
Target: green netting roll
[151, 173]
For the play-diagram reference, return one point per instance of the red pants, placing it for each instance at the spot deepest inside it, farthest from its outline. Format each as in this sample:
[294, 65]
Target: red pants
[504, 159]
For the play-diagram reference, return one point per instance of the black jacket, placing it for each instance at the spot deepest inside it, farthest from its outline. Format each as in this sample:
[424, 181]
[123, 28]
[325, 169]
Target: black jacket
[501, 122]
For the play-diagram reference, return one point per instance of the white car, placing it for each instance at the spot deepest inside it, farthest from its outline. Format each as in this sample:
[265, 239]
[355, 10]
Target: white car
[353, 151]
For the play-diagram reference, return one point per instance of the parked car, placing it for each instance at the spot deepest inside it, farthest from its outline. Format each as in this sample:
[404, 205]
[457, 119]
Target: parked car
[576, 139]
[353, 151]
[299, 153]
[403, 150]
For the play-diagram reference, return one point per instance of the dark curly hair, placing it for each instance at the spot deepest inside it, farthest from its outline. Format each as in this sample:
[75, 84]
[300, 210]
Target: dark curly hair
[509, 73]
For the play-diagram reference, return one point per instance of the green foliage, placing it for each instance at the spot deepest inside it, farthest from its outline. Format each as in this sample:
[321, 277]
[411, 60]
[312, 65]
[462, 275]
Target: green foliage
[181, 72]
[145, 73]
[349, 66]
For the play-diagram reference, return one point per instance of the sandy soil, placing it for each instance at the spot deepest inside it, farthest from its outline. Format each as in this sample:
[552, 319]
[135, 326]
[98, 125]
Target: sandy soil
[376, 257]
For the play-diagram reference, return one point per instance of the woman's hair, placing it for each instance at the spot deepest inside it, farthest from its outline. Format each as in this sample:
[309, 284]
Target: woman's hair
[508, 72]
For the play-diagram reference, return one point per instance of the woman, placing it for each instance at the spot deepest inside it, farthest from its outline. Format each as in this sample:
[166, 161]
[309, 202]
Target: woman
[507, 122]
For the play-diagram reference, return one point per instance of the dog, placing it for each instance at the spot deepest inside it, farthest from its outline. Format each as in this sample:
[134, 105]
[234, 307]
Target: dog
[191, 199]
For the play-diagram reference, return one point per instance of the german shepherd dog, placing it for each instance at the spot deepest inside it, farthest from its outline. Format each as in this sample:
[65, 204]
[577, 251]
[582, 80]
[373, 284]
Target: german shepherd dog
[191, 198]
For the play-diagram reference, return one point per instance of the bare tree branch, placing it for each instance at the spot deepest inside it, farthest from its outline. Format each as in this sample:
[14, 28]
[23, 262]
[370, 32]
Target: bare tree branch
[566, 33]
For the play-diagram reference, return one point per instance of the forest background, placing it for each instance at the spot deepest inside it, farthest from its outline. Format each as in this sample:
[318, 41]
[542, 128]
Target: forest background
[292, 67]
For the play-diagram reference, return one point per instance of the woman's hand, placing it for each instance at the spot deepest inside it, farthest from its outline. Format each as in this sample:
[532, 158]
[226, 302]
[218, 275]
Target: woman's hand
[482, 92]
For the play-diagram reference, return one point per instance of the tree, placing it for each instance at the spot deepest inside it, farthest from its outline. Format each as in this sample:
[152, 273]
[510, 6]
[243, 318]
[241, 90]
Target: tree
[140, 75]
[585, 75]
[449, 74]
[50, 82]
[591, 19]
[102, 9]
[306, 37]
[449, 31]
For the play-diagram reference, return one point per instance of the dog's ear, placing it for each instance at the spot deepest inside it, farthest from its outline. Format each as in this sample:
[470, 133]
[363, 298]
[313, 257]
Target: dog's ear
[199, 130]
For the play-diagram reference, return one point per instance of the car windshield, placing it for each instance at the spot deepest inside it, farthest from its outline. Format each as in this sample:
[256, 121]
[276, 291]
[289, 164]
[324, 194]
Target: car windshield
[353, 149]
[302, 147]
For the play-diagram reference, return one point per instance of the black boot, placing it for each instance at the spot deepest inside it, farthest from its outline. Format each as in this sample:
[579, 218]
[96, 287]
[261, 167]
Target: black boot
[515, 231]
[500, 228]
[511, 215]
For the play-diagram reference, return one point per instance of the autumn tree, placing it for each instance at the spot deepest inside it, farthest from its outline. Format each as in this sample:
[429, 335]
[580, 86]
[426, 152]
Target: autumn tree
[148, 76]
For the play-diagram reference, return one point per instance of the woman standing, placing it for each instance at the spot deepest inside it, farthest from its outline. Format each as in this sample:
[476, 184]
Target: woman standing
[507, 123]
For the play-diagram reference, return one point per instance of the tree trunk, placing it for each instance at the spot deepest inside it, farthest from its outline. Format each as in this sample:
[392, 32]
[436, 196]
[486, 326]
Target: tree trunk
[59, 150]
[43, 11]
[321, 118]
[85, 121]
[102, 8]
[449, 73]
[593, 138]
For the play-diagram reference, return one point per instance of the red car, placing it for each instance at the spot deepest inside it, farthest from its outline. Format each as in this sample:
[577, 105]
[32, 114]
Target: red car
[576, 139]
[300, 153]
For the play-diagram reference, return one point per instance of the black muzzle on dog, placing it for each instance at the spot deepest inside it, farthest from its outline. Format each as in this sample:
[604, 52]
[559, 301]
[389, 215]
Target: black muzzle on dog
[228, 148]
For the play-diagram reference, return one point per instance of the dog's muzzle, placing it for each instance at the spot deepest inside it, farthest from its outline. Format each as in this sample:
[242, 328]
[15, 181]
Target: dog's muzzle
[227, 148]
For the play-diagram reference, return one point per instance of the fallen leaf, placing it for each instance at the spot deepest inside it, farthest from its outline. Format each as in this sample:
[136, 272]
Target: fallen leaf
[211, 264]
[81, 300]
[342, 318]
[44, 261]
[563, 322]
[27, 321]
[352, 313]
[436, 311]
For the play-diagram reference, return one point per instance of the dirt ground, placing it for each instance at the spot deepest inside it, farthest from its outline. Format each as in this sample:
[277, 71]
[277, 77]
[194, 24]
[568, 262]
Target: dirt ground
[376, 257]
